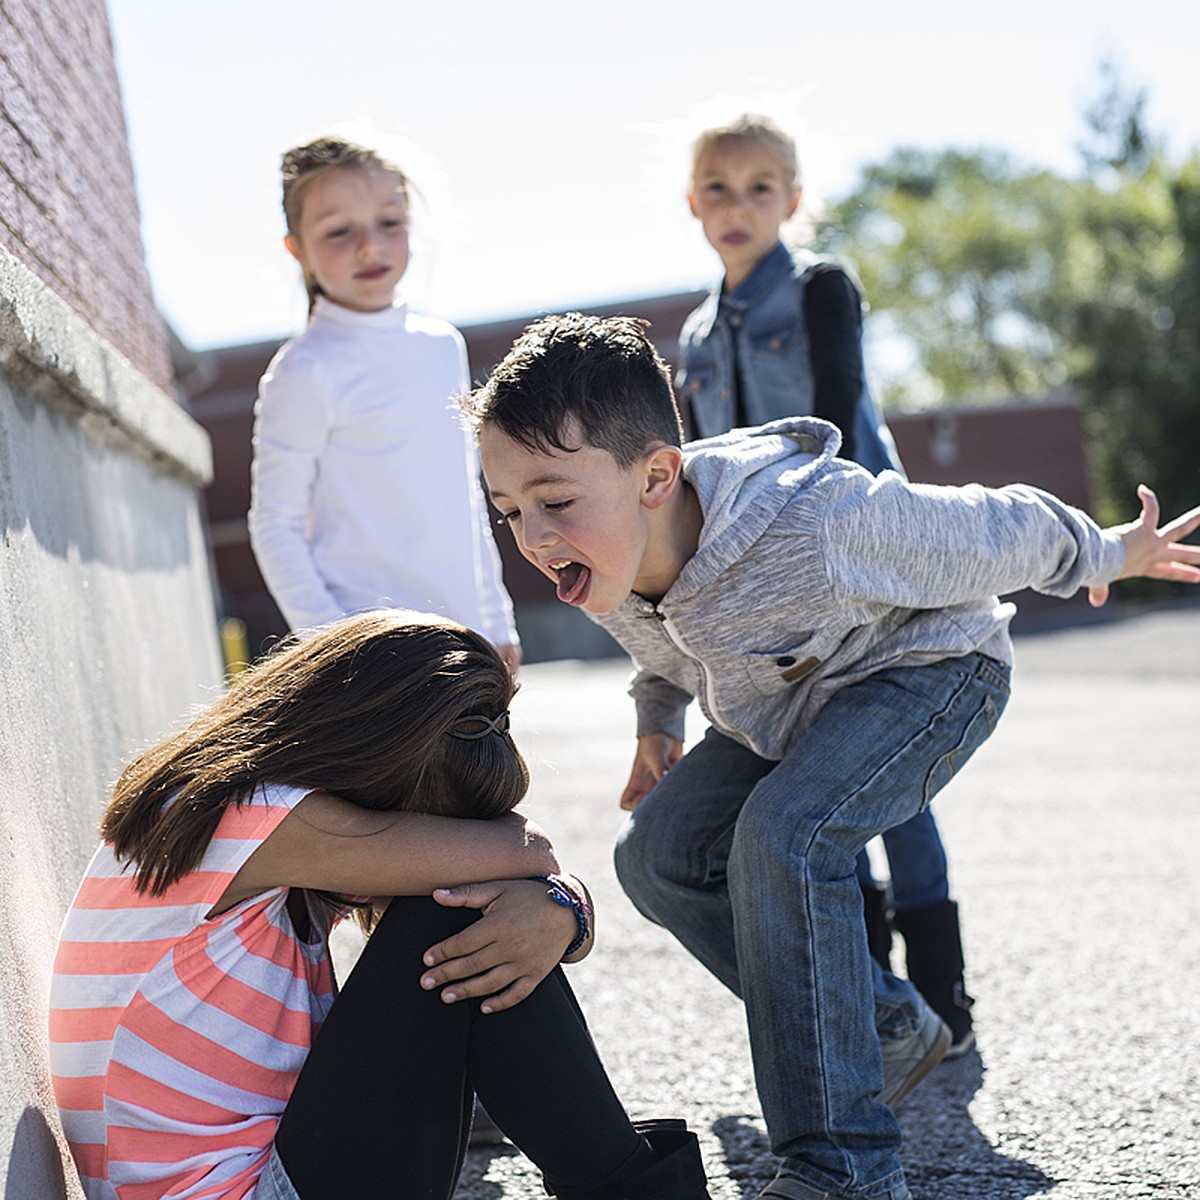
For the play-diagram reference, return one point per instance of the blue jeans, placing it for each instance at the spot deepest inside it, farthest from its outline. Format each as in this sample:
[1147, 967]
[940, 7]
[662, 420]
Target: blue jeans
[750, 864]
[273, 1183]
[917, 862]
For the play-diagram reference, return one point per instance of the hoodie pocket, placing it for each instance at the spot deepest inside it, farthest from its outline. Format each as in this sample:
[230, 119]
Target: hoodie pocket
[780, 670]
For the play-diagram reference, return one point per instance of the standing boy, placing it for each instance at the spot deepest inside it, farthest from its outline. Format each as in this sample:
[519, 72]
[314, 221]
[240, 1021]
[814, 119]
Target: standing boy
[781, 335]
[842, 634]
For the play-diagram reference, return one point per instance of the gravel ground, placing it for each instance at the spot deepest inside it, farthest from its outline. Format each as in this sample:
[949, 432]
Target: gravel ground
[1073, 844]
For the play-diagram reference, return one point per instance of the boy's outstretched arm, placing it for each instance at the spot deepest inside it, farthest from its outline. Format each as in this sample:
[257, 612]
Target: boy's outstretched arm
[1154, 553]
[656, 754]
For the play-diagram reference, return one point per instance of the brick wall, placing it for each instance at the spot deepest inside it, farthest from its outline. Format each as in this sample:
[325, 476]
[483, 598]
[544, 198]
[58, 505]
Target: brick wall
[1040, 443]
[107, 628]
[68, 209]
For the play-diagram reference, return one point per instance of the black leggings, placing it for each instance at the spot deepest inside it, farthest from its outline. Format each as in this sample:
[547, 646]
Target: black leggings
[383, 1103]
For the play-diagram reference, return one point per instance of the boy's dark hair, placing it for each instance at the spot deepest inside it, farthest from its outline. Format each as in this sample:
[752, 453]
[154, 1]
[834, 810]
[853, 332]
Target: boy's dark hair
[602, 371]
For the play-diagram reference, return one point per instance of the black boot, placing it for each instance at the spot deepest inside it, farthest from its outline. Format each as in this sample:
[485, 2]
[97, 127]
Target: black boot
[877, 914]
[933, 953]
[677, 1173]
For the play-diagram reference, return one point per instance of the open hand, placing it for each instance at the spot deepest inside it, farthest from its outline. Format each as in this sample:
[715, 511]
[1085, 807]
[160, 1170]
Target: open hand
[1154, 553]
[520, 938]
[656, 754]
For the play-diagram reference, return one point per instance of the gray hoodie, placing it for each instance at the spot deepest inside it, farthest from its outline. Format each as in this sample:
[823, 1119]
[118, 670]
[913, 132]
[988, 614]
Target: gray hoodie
[812, 574]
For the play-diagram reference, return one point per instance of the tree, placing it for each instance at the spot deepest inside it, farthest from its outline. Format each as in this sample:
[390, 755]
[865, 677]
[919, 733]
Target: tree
[1116, 137]
[952, 246]
[1008, 280]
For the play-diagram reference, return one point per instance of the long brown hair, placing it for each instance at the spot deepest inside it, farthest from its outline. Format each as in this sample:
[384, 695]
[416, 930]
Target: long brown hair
[360, 709]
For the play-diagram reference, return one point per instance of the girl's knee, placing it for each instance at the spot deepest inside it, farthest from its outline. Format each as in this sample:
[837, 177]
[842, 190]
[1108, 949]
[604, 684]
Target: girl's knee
[421, 919]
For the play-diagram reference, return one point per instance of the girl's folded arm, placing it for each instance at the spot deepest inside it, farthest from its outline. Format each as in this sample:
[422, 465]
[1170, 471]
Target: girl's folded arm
[332, 845]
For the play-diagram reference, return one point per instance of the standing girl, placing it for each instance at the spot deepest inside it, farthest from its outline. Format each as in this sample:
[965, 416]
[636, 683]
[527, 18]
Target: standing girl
[781, 336]
[365, 487]
[198, 1044]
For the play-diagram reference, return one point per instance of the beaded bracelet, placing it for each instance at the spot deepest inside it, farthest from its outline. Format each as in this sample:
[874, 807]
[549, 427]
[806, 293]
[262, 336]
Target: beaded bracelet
[561, 892]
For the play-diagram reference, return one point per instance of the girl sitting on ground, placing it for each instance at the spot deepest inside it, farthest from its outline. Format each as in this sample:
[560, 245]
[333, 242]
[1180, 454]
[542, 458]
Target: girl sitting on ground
[199, 1043]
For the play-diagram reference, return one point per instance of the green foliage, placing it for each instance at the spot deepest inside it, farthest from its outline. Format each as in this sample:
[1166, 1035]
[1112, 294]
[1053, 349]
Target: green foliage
[952, 247]
[1007, 280]
[1129, 305]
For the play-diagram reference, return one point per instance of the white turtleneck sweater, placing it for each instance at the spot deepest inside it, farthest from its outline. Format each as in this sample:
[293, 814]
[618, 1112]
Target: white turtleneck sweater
[365, 484]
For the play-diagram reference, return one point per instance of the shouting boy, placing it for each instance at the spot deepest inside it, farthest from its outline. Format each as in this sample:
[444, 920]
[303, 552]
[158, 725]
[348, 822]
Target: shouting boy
[842, 634]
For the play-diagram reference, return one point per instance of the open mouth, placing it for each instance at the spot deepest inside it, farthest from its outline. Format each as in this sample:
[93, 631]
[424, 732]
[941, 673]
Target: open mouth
[573, 580]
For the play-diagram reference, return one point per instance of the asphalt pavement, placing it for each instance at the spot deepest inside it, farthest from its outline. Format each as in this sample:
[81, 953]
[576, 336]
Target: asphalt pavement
[1073, 842]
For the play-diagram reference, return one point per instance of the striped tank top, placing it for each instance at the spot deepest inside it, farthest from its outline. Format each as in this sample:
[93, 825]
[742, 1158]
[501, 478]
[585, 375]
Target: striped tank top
[175, 1038]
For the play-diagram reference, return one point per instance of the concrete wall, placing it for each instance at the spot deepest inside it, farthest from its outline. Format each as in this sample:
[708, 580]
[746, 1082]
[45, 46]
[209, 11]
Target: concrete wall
[107, 628]
[107, 635]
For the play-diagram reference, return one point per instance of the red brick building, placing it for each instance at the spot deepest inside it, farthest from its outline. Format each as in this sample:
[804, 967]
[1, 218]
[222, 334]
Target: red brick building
[1035, 443]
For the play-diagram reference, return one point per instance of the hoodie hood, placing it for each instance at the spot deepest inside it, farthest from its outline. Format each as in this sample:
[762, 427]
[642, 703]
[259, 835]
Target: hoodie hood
[743, 478]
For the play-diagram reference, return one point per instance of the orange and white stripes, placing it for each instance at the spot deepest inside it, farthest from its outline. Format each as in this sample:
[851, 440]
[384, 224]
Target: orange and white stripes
[175, 1038]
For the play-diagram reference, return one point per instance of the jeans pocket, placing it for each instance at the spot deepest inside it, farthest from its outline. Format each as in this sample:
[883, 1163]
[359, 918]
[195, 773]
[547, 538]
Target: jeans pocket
[977, 729]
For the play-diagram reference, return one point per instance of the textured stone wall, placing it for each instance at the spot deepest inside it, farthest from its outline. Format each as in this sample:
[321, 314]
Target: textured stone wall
[107, 625]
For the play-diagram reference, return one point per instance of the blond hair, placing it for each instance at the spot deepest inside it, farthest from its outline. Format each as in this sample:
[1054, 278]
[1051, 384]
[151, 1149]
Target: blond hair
[752, 129]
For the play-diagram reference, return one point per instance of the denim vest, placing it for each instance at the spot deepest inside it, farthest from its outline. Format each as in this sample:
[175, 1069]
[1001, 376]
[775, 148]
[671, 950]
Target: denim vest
[765, 324]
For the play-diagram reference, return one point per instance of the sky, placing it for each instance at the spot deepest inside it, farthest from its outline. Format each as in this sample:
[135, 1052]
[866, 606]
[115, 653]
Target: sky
[549, 140]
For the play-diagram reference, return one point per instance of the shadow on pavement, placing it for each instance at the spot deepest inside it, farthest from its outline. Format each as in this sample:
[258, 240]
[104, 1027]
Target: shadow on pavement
[748, 1157]
[946, 1157]
[35, 1167]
